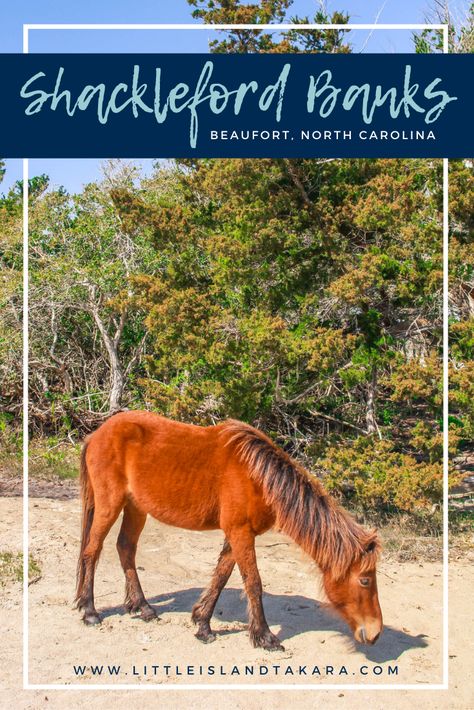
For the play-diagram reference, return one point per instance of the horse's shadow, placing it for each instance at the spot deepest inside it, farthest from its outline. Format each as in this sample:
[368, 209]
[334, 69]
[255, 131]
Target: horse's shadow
[294, 614]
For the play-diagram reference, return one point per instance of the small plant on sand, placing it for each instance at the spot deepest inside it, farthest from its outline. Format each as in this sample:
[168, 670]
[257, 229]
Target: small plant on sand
[11, 568]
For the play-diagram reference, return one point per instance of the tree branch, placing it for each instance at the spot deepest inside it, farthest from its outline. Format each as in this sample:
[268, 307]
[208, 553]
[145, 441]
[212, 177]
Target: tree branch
[336, 421]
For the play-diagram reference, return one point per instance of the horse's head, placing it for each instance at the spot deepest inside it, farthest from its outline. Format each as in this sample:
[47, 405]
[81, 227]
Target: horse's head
[354, 594]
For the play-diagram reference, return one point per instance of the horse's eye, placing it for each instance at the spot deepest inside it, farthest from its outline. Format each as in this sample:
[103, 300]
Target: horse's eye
[364, 581]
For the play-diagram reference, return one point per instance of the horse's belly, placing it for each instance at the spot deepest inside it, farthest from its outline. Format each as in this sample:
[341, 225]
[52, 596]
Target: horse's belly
[179, 505]
[189, 519]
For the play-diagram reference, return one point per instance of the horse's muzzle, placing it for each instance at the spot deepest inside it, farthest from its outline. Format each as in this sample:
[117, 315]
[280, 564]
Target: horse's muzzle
[367, 635]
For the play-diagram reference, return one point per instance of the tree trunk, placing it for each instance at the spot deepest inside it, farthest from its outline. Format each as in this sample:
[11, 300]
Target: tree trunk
[117, 381]
[117, 377]
[370, 418]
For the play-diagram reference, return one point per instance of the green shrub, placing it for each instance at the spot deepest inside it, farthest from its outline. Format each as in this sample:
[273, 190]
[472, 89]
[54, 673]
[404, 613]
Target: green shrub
[10, 437]
[372, 474]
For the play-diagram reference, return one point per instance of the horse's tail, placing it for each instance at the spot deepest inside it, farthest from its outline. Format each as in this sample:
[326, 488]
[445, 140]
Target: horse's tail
[87, 500]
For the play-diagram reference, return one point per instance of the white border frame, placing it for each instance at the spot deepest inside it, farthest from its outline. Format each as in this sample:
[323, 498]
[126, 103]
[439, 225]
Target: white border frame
[237, 686]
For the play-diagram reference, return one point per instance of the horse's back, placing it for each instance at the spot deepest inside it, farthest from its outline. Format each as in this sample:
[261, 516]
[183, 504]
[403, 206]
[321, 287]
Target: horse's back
[171, 470]
[126, 430]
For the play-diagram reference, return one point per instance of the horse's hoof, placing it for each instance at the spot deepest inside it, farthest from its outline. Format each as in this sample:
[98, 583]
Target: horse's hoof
[269, 642]
[149, 614]
[205, 638]
[91, 619]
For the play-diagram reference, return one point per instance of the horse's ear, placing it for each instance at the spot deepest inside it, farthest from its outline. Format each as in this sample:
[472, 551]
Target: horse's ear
[373, 543]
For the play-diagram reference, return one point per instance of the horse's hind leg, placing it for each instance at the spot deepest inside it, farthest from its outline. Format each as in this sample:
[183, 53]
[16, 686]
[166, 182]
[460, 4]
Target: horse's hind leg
[105, 516]
[132, 526]
[203, 609]
[242, 541]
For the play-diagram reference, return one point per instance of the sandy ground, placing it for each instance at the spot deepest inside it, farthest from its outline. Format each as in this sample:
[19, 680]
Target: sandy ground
[176, 565]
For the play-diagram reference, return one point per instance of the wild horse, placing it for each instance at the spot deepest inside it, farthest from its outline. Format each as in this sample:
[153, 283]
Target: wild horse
[229, 476]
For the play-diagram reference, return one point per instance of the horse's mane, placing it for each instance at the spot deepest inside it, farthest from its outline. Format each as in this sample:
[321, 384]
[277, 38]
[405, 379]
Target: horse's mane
[303, 509]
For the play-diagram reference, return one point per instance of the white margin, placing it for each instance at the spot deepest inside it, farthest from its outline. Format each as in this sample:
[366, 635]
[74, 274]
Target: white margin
[238, 686]
[275, 27]
[25, 423]
[445, 418]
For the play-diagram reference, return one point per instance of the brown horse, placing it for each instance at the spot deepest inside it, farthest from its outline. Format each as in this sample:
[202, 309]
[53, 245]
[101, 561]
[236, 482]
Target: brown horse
[228, 476]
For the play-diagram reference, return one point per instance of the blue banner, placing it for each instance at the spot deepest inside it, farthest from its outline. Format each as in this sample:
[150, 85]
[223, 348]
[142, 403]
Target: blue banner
[236, 105]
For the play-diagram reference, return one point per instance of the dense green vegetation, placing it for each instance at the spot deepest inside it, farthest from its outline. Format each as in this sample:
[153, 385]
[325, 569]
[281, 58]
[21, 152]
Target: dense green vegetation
[302, 296]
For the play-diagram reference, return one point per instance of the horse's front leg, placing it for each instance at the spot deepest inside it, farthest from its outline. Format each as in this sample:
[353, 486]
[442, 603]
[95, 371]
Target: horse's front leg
[204, 607]
[242, 541]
